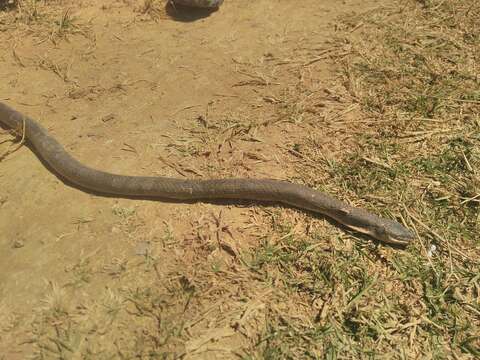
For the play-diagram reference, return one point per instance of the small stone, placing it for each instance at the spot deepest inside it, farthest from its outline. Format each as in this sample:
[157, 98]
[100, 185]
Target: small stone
[116, 230]
[3, 200]
[17, 244]
[108, 117]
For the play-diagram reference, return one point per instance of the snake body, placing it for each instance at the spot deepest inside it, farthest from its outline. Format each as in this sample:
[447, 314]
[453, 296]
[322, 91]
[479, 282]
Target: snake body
[299, 196]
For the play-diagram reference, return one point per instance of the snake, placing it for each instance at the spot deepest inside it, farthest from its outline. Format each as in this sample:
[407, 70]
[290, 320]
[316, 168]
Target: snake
[48, 149]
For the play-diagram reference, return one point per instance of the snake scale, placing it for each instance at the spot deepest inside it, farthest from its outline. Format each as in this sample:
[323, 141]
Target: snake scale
[266, 190]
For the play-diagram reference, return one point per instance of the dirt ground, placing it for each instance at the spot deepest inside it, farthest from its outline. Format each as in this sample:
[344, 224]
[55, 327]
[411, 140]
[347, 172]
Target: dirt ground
[131, 88]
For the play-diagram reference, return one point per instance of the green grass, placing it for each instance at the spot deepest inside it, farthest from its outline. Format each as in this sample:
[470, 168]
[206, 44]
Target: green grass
[413, 68]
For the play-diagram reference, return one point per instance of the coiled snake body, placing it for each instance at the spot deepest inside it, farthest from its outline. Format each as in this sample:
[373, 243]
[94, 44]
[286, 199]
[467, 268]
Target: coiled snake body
[267, 190]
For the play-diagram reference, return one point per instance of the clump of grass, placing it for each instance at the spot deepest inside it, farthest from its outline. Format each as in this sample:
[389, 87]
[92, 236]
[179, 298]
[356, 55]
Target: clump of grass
[67, 24]
[44, 20]
[153, 8]
[28, 10]
[60, 330]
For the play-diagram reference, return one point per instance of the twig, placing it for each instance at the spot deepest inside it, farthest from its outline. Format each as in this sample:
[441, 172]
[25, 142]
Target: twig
[376, 162]
[303, 157]
[22, 141]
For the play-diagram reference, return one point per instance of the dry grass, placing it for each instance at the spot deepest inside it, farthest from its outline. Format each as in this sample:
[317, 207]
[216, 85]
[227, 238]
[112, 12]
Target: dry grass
[397, 132]
[413, 68]
[154, 9]
[52, 23]
[411, 72]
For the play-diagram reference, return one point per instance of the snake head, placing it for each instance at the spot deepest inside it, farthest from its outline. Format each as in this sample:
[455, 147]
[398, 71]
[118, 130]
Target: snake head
[392, 232]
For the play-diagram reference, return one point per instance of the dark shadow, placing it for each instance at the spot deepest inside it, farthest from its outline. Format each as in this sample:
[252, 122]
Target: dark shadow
[187, 13]
[7, 5]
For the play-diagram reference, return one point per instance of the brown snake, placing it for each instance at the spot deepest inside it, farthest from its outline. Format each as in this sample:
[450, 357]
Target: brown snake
[267, 190]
